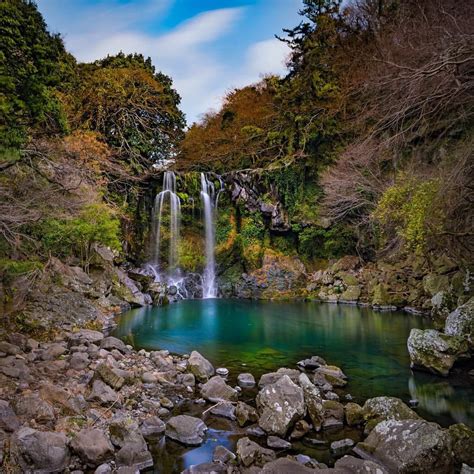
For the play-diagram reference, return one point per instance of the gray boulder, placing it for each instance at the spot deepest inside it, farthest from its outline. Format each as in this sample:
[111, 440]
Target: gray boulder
[224, 409]
[8, 419]
[102, 393]
[152, 427]
[85, 336]
[79, 361]
[280, 404]
[250, 453]
[39, 451]
[92, 446]
[246, 380]
[379, 409]
[333, 414]
[216, 390]
[341, 446]
[185, 429]
[110, 343]
[313, 401]
[435, 352]
[407, 446]
[222, 454]
[275, 442]
[286, 466]
[32, 406]
[353, 465]
[272, 377]
[245, 414]
[462, 438]
[461, 323]
[202, 369]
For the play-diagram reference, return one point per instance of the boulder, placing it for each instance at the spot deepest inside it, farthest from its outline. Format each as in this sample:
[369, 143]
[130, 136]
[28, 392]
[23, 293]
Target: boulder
[32, 406]
[39, 451]
[152, 427]
[102, 393]
[134, 455]
[222, 454]
[379, 409]
[224, 409]
[8, 420]
[206, 468]
[85, 336]
[110, 376]
[246, 380]
[202, 369]
[110, 343]
[216, 390]
[353, 465]
[461, 323]
[79, 361]
[58, 396]
[272, 377]
[92, 446]
[333, 375]
[333, 414]
[280, 404]
[185, 429]
[312, 363]
[341, 446]
[250, 453]
[301, 428]
[406, 446]
[245, 414]
[442, 303]
[275, 442]
[354, 414]
[286, 466]
[433, 283]
[9, 349]
[313, 401]
[462, 438]
[435, 352]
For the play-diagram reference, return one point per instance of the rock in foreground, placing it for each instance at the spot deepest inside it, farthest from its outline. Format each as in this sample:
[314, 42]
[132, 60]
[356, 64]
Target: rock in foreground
[185, 429]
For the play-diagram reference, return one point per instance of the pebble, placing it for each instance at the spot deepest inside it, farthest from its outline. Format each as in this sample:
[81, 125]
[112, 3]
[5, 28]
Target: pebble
[222, 371]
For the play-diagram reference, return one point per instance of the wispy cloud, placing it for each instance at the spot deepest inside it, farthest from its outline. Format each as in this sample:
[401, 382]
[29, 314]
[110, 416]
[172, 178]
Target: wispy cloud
[187, 53]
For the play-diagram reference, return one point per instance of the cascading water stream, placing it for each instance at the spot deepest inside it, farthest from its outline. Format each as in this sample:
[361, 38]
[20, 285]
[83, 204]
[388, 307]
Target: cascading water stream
[169, 197]
[209, 276]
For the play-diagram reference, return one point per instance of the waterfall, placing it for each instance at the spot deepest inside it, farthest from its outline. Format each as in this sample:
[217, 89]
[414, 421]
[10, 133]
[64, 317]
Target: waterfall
[209, 275]
[166, 197]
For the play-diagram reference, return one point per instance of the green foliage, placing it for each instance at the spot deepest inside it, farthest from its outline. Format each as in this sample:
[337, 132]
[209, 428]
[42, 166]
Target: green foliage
[11, 269]
[191, 255]
[252, 229]
[316, 242]
[408, 209]
[223, 227]
[75, 236]
[33, 67]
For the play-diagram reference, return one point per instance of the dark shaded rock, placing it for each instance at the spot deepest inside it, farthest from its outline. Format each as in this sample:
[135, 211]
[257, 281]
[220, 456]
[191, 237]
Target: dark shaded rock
[341, 447]
[110, 343]
[302, 427]
[42, 451]
[407, 446]
[286, 466]
[85, 336]
[222, 454]
[32, 406]
[8, 420]
[246, 380]
[354, 414]
[185, 429]
[333, 414]
[250, 453]
[152, 427]
[245, 414]
[462, 438]
[224, 409]
[280, 405]
[134, 454]
[312, 363]
[92, 446]
[216, 390]
[353, 465]
[206, 468]
[275, 442]
[102, 393]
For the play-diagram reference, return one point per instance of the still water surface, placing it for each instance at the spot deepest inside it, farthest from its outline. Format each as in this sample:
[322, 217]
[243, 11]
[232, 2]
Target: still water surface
[259, 337]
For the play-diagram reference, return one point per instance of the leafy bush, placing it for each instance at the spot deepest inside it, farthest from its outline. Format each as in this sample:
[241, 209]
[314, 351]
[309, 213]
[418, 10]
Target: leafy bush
[10, 269]
[316, 242]
[96, 223]
[406, 210]
[191, 255]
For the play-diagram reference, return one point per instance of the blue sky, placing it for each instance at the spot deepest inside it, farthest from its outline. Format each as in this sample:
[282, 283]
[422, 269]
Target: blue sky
[208, 47]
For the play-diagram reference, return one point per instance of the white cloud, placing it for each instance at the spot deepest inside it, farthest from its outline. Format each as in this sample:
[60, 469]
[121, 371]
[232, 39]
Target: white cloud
[185, 53]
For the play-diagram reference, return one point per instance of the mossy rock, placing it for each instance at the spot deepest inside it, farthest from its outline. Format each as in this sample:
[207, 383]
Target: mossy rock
[354, 414]
[462, 438]
[433, 283]
[380, 296]
[352, 293]
[348, 278]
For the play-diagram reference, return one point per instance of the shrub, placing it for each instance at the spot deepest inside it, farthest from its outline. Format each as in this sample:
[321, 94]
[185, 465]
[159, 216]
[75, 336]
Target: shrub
[316, 242]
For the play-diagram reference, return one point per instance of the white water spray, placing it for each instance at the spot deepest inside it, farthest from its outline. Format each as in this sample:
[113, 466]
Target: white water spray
[209, 289]
[166, 197]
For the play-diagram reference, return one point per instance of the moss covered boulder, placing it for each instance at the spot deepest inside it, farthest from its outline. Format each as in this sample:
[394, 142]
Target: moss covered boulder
[462, 438]
[434, 351]
[461, 323]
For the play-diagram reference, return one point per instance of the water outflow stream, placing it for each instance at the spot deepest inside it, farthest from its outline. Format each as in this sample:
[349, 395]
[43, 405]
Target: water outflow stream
[209, 200]
[167, 197]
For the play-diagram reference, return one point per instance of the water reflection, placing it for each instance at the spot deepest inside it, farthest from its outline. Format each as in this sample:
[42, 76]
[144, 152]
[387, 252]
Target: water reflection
[262, 336]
